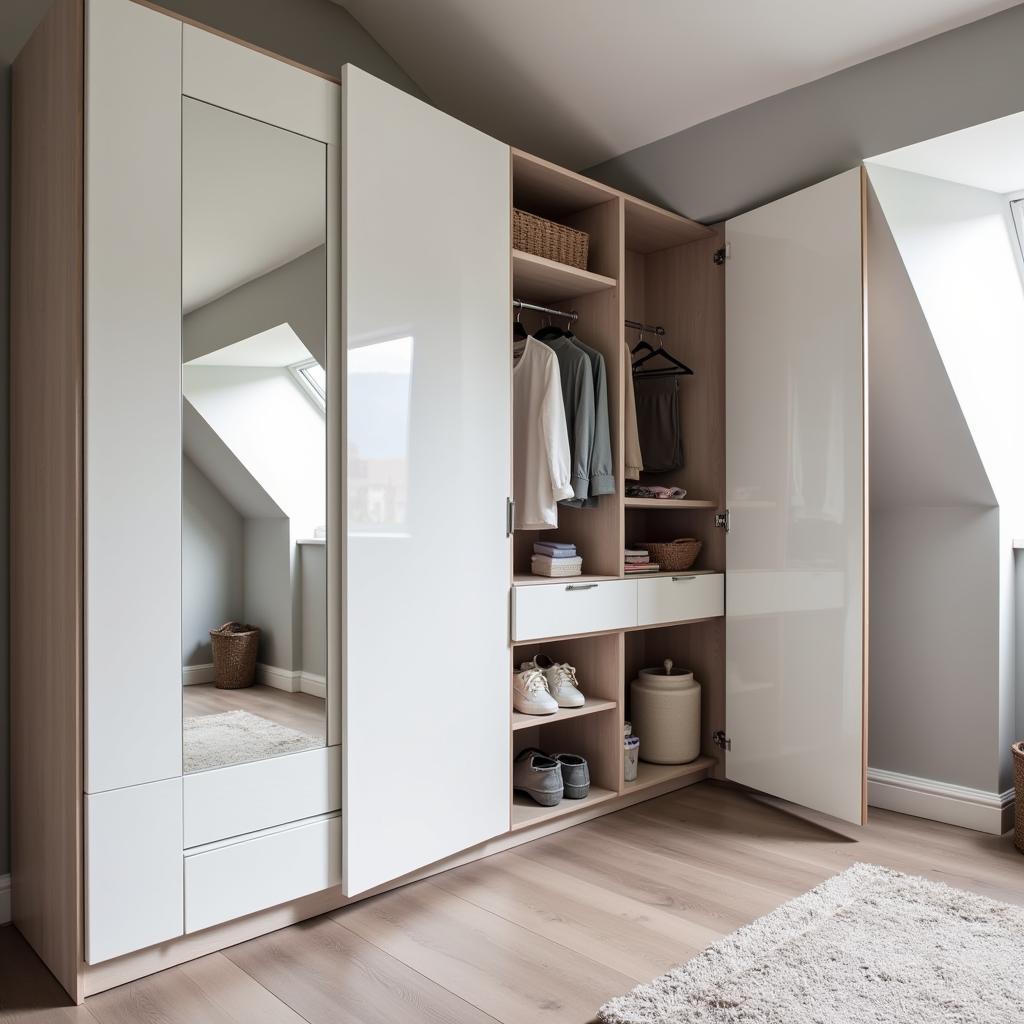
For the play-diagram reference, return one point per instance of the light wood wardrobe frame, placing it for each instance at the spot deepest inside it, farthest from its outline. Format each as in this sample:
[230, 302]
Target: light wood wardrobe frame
[47, 527]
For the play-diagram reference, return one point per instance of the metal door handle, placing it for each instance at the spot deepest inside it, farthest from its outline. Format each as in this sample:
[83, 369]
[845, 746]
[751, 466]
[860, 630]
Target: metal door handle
[682, 579]
[581, 586]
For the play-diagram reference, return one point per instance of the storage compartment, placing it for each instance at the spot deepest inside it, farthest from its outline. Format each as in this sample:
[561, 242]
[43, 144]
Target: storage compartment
[678, 597]
[573, 607]
[698, 647]
[671, 281]
[593, 295]
[233, 879]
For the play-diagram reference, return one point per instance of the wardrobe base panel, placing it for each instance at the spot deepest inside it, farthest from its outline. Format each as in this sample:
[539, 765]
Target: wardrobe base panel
[137, 965]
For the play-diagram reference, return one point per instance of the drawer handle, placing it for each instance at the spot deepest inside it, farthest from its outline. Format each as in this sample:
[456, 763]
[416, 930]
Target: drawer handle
[580, 586]
[682, 579]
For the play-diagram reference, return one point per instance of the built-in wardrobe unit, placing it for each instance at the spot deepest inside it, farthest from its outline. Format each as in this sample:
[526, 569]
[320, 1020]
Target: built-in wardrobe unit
[128, 856]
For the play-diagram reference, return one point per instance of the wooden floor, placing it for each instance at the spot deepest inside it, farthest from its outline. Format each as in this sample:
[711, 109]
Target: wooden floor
[300, 711]
[545, 932]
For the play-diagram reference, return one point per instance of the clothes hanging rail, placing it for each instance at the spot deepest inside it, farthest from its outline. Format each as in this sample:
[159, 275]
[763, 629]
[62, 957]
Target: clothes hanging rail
[655, 329]
[569, 315]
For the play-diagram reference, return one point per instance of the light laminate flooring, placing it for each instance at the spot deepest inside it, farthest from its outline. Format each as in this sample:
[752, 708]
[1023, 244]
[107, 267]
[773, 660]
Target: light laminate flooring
[300, 711]
[544, 932]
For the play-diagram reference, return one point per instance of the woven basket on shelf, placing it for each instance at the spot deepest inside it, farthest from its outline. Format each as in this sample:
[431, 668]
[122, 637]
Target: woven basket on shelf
[234, 655]
[676, 555]
[541, 237]
[1018, 785]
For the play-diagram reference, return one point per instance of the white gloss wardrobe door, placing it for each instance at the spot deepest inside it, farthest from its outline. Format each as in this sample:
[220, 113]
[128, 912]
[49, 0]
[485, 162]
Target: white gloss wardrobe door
[795, 483]
[426, 739]
[132, 396]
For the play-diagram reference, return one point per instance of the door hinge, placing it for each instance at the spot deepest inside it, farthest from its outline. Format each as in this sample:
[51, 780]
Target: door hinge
[721, 740]
[723, 254]
[722, 520]
[510, 515]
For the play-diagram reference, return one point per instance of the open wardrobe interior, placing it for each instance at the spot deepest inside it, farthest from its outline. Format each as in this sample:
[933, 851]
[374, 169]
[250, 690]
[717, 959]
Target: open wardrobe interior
[399, 516]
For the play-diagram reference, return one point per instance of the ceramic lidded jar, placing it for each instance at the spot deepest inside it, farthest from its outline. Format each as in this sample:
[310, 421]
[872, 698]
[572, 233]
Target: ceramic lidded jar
[665, 712]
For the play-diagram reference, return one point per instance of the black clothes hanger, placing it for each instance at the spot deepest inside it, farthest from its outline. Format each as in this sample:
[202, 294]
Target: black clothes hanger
[519, 332]
[675, 369]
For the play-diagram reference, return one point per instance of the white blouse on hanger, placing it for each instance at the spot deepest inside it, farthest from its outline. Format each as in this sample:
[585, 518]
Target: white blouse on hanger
[540, 439]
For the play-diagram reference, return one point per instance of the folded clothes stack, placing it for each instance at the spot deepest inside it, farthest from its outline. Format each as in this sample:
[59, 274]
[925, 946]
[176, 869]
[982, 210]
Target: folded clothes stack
[639, 561]
[654, 491]
[552, 558]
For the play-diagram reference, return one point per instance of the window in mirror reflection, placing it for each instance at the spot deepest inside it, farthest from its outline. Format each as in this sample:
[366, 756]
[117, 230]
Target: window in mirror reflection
[379, 393]
[254, 441]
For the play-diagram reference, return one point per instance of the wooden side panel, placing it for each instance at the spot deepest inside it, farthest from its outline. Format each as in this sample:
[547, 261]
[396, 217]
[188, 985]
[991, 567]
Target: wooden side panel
[47, 511]
[46, 489]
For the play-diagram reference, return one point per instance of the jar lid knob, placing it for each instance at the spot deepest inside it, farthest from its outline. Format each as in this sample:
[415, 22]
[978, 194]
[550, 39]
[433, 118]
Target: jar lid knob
[668, 666]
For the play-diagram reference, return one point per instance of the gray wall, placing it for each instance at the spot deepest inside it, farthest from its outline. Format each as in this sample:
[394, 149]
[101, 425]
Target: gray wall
[776, 146]
[317, 33]
[212, 563]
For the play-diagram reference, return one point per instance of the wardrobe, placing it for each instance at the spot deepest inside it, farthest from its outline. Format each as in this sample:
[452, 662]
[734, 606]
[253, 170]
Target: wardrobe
[124, 860]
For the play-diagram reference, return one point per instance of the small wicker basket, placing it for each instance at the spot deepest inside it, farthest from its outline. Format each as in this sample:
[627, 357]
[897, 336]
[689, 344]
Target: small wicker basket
[674, 556]
[541, 237]
[234, 655]
[1018, 785]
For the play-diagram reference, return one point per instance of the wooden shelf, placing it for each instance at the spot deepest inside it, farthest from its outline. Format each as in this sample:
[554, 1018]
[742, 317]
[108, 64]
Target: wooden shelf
[536, 279]
[668, 503]
[591, 707]
[650, 228]
[652, 774]
[527, 579]
[526, 813]
[675, 572]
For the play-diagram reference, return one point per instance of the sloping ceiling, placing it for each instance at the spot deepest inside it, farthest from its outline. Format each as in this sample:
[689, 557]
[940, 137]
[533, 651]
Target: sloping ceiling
[580, 81]
[921, 449]
[988, 156]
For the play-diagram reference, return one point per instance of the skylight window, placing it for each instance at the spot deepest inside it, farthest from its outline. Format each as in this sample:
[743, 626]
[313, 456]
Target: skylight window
[312, 378]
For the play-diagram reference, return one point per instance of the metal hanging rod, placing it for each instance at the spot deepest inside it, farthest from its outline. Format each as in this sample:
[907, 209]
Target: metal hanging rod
[655, 329]
[519, 304]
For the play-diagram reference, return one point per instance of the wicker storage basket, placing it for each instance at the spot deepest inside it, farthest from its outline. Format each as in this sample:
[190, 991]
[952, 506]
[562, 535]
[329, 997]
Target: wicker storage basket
[1018, 785]
[234, 655]
[541, 237]
[676, 555]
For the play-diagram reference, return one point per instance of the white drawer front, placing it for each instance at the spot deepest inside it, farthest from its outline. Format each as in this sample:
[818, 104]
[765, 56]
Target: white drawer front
[132, 868]
[227, 802]
[560, 609]
[236, 879]
[680, 597]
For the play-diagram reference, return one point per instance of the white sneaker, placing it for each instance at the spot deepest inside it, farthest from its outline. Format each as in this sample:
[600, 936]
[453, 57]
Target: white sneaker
[561, 680]
[530, 693]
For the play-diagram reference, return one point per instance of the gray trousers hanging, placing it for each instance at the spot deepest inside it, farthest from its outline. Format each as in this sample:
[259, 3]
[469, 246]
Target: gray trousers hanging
[658, 424]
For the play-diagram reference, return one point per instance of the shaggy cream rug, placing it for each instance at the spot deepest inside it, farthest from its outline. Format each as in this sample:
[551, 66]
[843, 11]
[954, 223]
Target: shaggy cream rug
[235, 737]
[869, 946]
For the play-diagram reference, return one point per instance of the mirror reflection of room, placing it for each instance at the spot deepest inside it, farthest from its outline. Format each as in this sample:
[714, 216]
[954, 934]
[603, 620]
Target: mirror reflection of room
[254, 399]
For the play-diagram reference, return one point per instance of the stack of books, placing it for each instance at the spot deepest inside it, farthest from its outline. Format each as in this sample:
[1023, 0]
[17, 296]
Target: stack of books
[639, 561]
[553, 558]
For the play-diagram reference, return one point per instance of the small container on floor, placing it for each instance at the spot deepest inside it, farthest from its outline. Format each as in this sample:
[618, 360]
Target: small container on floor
[630, 754]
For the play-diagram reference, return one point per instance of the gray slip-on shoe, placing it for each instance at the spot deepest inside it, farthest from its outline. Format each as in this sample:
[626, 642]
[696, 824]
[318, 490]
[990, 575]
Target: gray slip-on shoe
[575, 775]
[538, 776]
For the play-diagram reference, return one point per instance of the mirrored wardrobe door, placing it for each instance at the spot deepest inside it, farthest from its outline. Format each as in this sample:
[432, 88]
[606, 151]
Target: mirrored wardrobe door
[254, 439]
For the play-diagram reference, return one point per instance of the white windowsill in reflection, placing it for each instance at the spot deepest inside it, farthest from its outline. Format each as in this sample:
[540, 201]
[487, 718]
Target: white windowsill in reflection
[311, 540]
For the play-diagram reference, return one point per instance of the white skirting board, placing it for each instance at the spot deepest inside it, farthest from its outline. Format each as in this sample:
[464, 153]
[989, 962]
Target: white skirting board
[193, 674]
[941, 801]
[292, 681]
[5, 899]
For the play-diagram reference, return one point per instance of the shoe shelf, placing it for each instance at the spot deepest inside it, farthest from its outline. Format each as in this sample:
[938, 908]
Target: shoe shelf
[654, 774]
[526, 813]
[592, 706]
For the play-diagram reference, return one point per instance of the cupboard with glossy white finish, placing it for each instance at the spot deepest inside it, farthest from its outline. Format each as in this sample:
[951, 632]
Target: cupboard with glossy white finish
[410, 376]
[796, 490]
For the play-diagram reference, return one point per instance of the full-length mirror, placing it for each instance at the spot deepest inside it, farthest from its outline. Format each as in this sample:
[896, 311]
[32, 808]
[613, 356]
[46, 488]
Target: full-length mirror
[254, 400]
